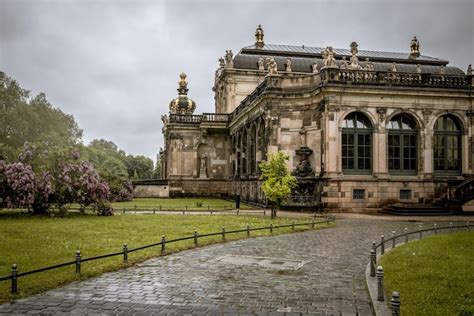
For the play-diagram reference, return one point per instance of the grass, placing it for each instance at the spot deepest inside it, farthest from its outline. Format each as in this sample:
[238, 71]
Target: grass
[33, 242]
[177, 204]
[434, 276]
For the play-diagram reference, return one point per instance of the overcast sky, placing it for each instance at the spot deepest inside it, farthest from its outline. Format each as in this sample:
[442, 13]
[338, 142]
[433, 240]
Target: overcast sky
[114, 65]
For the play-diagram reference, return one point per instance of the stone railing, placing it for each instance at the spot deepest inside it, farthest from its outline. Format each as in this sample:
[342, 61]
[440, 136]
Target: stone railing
[336, 75]
[215, 117]
[185, 118]
[198, 119]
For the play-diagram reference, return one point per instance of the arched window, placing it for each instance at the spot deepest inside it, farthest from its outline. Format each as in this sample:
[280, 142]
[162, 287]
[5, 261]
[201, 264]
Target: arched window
[356, 143]
[402, 144]
[447, 145]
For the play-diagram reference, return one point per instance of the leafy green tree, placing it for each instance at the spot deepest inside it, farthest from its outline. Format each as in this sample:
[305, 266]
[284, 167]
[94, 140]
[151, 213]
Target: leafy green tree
[277, 180]
[139, 166]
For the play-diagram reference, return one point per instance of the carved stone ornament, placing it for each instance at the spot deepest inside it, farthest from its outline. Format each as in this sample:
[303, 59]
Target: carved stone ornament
[328, 57]
[272, 67]
[418, 68]
[344, 64]
[259, 43]
[426, 115]
[393, 68]
[304, 168]
[165, 119]
[442, 70]
[368, 65]
[221, 62]
[381, 112]
[288, 64]
[469, 70]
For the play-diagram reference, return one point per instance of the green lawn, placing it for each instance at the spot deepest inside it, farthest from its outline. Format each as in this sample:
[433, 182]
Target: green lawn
[33, 242]
[434, 276]
[177, 204]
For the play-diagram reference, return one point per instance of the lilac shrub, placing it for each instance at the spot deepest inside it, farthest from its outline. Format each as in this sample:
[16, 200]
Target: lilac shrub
[43, 192]
[20, 182]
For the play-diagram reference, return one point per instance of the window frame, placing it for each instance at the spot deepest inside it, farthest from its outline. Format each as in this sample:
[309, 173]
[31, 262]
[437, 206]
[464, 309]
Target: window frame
[355, 132]
[444, 134]
[401, 146]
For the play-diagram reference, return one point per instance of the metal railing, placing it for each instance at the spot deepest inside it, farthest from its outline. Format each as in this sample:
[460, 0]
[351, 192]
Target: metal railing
[78, 260]
[377, 272]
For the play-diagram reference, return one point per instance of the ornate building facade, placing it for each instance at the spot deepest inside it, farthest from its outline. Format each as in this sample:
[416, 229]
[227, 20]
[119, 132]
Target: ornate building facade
[361, 128]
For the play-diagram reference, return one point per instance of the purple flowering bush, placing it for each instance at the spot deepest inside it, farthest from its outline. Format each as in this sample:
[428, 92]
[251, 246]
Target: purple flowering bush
[72, 182]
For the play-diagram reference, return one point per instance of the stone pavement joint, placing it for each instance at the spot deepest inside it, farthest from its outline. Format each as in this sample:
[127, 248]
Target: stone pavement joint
[193, 282]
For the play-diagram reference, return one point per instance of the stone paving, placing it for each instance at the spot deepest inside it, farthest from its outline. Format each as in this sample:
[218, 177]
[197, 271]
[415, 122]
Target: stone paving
[328, 278]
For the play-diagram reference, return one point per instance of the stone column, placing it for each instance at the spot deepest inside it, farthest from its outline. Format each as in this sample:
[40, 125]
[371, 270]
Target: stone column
[333, 140]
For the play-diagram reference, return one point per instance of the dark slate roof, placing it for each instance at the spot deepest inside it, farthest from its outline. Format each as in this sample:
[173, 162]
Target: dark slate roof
[288, 50]
[304, 64]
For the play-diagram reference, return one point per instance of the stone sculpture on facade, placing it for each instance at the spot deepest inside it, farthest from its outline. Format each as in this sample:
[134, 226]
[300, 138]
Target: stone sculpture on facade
[344, 64]
[414, 48]
[393, 67]
[221, 62]
[272, 67]
[328, 56]
[418, 68]
[469, 70]
[288, 64]
[203, 168]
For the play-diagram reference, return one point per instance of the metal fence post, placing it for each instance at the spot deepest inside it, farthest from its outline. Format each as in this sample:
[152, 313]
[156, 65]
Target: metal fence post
[435, 228]
[374, 246]
[125, 253]
[160, 208]
[78, 262]
[393, 239]
[163, 243]
[271, 228]
[451, 226]
[406, 235]
[14, 279]
[154, 211]
[238, 211]
[195, 238]
[293, 226]
[223, 233]
[264, 212]
[248, 231]
[395, 303]
[382, 244]
[380, 294]
[421, 233]
[373, 259]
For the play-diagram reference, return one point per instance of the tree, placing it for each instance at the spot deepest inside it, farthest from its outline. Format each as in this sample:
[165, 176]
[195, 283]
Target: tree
[140, 166]
[277, 180]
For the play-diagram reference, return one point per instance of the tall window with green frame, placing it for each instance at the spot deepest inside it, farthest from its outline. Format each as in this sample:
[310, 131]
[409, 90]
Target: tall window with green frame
[402, 144]
[356, 143]
[447, 145]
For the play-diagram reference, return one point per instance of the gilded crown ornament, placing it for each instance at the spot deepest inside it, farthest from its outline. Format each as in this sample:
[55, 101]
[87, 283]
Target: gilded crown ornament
[182, 104]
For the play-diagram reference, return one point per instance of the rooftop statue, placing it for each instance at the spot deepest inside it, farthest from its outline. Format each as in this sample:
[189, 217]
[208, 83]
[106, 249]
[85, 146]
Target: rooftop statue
[393, 68]
[221, 62]
[344, 64]
[228, 58]
[328, 56]
[469, 70]
[259, 37]
[415, 48]
[288, 64]
[368, 65]
[261, 63]
[272, 67]
[314, 67]
[354, 60]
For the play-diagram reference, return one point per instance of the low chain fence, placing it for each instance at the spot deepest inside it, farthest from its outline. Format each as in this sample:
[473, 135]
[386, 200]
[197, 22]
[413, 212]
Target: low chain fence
[378, 249]
[125, 251]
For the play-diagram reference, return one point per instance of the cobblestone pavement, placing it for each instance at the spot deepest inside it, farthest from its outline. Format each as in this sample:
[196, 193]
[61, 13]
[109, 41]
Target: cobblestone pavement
[200, 282]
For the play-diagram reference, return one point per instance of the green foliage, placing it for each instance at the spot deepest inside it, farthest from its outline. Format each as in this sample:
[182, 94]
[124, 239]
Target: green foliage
[277, 180]
[434, 275]
[34, 121]
[139, 167]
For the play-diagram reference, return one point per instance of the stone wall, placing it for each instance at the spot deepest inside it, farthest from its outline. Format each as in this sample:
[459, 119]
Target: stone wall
[151, 191]
[199, 187]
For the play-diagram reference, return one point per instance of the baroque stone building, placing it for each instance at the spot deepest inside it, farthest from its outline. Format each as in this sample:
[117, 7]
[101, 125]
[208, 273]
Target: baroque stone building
[361, 128]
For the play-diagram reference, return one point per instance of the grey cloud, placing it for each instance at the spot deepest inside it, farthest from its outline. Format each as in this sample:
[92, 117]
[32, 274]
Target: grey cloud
[114, 65]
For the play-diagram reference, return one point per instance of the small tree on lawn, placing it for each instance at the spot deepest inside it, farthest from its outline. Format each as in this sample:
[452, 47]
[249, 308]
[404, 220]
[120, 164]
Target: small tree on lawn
[277, 180]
